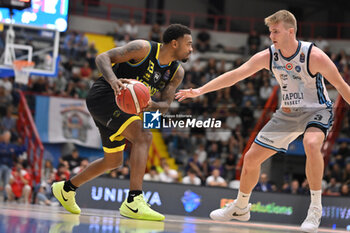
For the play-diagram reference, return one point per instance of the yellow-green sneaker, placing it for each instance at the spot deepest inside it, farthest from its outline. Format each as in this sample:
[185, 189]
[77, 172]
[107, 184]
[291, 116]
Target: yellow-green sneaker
[139, 209]
[67, 199]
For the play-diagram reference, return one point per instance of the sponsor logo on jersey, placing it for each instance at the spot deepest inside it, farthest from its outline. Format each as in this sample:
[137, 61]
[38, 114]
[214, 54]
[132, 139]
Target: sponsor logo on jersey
[116, 113]
[296, 77]
[166, 75]
[279, 67]
[293, 96]
[290, 99]
[284, 81]
[153, 90]
[157, 76]
[289, 66]
[318, 117]
[286, 110]
[298, 69]
[266, 139]
[161, 85]
[302, 58]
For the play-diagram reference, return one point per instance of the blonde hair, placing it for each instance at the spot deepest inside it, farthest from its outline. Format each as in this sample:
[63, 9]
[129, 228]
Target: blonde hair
[282, 16]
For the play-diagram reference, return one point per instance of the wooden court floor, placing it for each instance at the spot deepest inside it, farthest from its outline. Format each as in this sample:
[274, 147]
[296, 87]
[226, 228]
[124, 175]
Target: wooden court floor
[19, 218]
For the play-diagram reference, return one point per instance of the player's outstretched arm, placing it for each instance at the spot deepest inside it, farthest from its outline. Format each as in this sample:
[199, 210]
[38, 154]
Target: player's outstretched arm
[167, 95]
[257, 62]
[320, 62]
[135, 50]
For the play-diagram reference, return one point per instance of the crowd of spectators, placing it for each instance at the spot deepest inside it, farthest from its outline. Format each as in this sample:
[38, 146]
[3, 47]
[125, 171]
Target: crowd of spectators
[15, 178]
[68, 166]
[204, 156]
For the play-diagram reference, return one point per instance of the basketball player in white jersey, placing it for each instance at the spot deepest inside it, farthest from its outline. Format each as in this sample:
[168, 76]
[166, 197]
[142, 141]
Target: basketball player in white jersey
[299, 67]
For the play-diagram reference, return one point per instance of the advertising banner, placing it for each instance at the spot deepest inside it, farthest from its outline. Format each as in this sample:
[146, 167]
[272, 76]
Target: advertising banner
[62, 120]
[188, 200]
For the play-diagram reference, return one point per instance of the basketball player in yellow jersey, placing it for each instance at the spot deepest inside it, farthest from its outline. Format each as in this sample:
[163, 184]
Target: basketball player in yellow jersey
[155, 64]
[299, 67]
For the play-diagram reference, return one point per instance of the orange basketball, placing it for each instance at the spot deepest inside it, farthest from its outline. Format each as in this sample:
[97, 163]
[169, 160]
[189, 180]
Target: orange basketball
[133, 98]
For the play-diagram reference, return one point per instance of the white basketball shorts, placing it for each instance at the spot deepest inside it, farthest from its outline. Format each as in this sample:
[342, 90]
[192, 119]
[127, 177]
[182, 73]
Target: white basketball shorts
[283, 128]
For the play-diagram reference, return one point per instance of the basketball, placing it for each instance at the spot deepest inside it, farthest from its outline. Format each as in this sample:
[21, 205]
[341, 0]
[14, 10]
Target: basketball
[133, 98]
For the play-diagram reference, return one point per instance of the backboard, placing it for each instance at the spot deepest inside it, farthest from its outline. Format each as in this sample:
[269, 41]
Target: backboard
[31, 43]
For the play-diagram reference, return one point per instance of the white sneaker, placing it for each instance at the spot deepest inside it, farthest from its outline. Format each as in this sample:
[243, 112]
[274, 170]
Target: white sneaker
[231, 211]
[312, 220]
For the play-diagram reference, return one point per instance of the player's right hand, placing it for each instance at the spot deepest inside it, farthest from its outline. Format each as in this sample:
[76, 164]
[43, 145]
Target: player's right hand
[187, 93]
[119, 84]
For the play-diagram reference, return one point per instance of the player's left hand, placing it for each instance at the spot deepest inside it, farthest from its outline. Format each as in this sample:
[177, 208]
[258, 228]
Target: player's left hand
[187, 93]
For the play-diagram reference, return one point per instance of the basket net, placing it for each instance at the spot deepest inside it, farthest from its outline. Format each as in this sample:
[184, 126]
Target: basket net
[22, 71]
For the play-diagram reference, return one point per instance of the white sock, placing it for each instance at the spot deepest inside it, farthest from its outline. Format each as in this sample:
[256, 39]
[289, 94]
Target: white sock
[242, 199]
[316, 196]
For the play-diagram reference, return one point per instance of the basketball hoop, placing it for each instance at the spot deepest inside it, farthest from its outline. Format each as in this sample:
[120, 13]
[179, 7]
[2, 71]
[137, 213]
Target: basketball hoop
[22, 71]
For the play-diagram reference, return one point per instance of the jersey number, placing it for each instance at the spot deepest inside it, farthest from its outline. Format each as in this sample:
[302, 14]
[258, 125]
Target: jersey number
[150, 68]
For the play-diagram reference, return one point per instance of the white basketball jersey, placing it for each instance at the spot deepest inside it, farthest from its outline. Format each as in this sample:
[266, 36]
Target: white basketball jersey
[299, 88]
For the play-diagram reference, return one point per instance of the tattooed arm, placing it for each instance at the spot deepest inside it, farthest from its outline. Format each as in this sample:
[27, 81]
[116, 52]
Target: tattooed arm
[135, 50]
[167, 95]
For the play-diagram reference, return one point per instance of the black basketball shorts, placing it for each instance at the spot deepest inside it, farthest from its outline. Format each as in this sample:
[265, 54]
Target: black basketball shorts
[109, 119]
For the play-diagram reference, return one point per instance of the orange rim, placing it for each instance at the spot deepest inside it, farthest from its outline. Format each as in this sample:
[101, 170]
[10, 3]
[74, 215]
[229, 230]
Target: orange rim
[19, 64]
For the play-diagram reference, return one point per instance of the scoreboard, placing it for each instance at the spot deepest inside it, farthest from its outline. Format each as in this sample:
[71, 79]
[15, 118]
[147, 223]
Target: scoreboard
[43, 13]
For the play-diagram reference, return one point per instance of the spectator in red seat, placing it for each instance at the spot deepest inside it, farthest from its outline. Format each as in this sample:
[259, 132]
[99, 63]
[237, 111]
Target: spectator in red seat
[86, 71]
[8, 152]
[62, 173]
[19, 185]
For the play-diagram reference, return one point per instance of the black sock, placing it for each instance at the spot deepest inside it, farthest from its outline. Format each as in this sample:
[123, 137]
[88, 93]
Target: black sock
[133, 194]
[68, 186]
